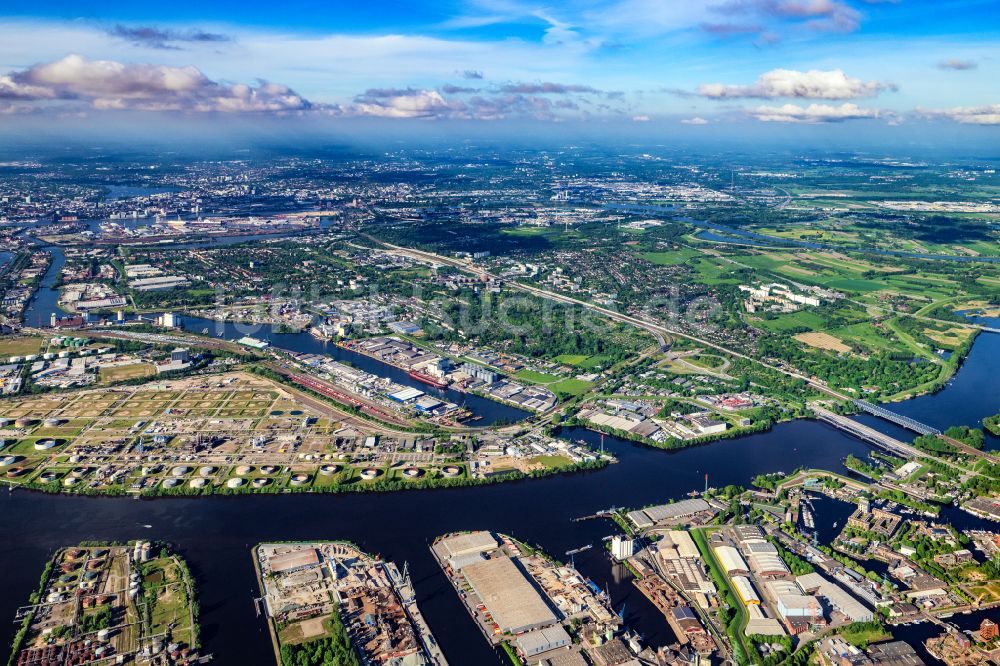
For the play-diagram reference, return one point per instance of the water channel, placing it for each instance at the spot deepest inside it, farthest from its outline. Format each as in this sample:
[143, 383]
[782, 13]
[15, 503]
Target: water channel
[216, 534]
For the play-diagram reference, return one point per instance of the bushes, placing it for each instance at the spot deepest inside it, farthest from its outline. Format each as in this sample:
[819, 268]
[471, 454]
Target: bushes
[333, 650]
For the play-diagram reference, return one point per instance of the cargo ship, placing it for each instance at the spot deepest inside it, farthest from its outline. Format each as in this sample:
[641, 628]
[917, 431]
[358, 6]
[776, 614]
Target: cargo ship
[427, 379]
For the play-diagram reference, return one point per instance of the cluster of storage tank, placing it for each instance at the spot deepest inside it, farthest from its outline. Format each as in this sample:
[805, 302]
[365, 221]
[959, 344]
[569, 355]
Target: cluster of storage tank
[142, 552]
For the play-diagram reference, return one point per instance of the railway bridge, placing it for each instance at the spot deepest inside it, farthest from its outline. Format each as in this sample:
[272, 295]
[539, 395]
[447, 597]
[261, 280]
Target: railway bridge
[898, 419]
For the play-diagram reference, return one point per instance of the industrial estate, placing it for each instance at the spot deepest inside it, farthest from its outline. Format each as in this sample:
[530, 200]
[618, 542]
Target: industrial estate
[334, 599]
[410, 325]
[110, 604]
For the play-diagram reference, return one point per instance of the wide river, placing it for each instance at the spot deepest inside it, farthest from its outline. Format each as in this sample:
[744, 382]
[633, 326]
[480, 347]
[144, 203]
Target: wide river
[216, 534]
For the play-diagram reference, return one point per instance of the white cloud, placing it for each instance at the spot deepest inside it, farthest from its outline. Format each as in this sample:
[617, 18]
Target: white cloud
[987, 114]
[814, 113]
[697, 120]
[640, 119]
[404, 104]
[11, 89]
[108, 84]
[814, 84]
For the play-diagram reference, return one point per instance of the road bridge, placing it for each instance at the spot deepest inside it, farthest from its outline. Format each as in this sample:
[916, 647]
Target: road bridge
[866, 433]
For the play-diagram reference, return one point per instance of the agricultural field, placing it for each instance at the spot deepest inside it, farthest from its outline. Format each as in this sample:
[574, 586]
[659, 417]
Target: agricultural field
[823, 341]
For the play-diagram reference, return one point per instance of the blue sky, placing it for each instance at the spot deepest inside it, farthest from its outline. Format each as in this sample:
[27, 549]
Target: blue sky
[691, 63]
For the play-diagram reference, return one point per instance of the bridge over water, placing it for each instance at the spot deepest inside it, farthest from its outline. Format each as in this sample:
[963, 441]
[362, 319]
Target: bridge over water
[898, 419]
[866, 433]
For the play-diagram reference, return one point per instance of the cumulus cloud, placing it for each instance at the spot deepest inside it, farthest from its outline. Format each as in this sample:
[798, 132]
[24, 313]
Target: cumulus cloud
[107, 84]
[161, 38]
[987, 114]
[473, 74]
[640, 119]
[814, 84]
[404, 103]
[814, 113]
[74, 83]
[14, 89]
[697, 120]
[957, 64]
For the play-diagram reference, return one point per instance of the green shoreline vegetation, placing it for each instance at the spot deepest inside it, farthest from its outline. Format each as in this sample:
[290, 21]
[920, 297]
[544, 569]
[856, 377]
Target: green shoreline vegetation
[382, 484]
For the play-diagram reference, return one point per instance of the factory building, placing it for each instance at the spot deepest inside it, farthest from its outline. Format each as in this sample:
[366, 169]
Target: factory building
[800, 605]
[732, 563]
[294, 560]
[677, 544]
[622, 547]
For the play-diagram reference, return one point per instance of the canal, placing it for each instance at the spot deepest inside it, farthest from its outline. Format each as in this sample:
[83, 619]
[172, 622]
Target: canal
[486, 412]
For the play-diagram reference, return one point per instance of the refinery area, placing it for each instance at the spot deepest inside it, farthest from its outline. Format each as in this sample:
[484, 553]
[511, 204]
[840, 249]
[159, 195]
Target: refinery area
[333, 590]
[238, 432]
[109, 604]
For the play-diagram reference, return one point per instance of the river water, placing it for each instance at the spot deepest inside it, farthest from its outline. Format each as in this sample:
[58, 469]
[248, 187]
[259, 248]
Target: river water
[216, 534]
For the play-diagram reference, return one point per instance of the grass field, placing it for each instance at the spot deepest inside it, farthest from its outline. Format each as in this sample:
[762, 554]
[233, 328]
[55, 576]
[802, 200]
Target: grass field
[715, 271]
[553, 462]
[869, 337]
[536, 377]
[594, 361]
[22, 346]
[122, 372]
[787, 322]
[571, 359]
[671, 257]
[571, 386]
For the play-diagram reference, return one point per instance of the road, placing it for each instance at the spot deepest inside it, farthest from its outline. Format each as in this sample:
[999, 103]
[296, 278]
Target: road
[658, 330]
[892, 444]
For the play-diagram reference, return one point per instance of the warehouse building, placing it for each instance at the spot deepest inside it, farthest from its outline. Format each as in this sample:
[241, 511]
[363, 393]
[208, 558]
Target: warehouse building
[768, 565]
[668, 513]
[732, 563]
[836, 596]
[463, 544]
[513, 602]
[744, 590]
[760, 625]
[538, 641]
[800, 605]
[677, 544]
